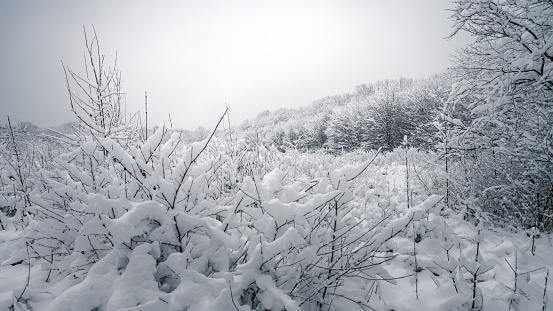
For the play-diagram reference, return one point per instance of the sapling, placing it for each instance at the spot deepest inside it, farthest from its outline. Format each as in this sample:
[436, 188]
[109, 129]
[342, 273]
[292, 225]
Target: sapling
[406, 169]
[475, 268]
[451, 266]
[535, 232]
[416, 264]
[475, 275]
[415, 237]
[447, 244]
[545, 299]
[28, 274]
[21, 179]
[99, 107]
[146, 112]
[515, 272]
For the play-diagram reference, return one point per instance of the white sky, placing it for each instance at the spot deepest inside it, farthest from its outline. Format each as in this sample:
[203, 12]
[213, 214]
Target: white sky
[192, 57]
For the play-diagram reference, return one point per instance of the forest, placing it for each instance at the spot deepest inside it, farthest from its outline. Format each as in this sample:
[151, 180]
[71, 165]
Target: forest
[406, 194]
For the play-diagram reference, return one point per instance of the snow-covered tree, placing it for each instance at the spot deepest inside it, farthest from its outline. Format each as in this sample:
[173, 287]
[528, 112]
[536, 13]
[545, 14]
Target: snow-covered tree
[347, 127]
[508, 76]
[389, 119]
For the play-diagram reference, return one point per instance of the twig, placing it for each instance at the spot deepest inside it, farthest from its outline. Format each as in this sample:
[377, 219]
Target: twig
[368, 164]
[231, 296]
[28, 274]
[544, 307]
[180, 183]
[146, 111]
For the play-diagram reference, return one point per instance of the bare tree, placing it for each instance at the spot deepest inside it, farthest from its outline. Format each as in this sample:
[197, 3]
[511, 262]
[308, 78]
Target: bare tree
[97, 98]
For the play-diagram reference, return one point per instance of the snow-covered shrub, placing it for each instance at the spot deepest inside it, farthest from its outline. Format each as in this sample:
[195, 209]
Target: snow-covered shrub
[100, 181]
[23, 151]
[160, 225]
[243, 159]
[168, 226]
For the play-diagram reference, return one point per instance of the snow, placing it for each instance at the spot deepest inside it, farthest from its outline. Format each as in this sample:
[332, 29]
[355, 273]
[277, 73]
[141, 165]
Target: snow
[93, 290]
[272, 297]
[137, 285]
[344, 237]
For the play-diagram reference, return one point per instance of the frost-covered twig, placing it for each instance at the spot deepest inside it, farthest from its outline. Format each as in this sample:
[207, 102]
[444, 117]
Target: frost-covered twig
[28, 273]
[545, 299]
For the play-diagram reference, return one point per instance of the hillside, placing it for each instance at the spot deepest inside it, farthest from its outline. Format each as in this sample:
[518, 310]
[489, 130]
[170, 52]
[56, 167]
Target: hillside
[375, 115]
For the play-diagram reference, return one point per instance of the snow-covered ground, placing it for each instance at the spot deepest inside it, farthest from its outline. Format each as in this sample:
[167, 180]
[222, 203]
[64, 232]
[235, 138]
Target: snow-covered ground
[435, 284]
[343, 234]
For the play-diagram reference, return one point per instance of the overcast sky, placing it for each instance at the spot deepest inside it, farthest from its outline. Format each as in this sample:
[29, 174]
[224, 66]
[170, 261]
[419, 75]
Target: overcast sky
[192, 57]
